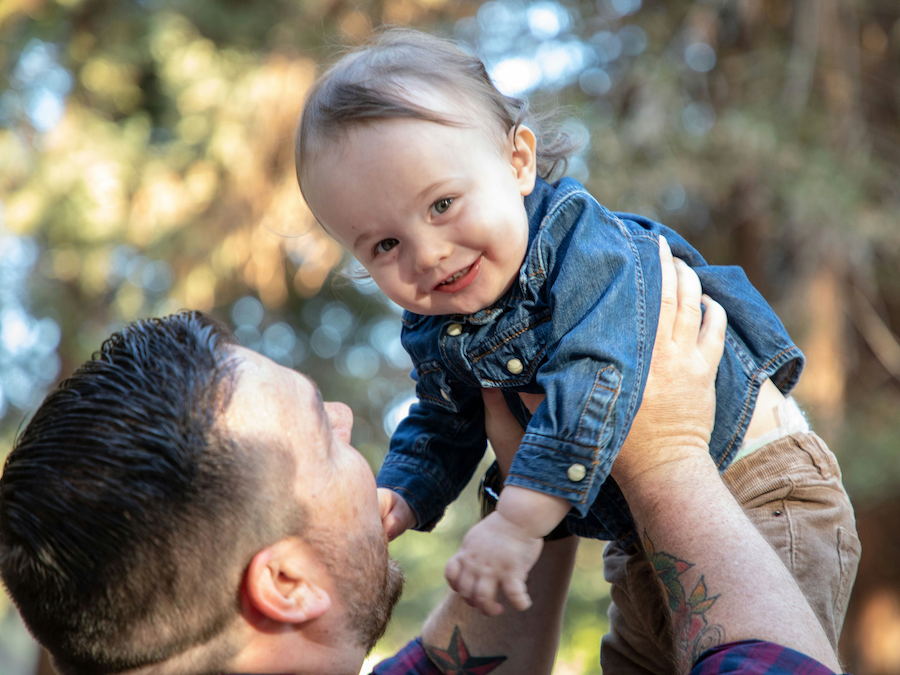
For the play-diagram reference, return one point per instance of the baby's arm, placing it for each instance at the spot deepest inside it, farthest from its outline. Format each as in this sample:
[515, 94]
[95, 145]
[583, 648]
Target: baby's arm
[501, 549]
[432, 456]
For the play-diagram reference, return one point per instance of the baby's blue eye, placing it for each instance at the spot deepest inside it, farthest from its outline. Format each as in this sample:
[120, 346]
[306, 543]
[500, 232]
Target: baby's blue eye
[441, 205]
[385, 245]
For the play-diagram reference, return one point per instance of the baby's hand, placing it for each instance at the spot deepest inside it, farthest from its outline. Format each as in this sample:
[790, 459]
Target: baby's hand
[396, 516]
[494, 552]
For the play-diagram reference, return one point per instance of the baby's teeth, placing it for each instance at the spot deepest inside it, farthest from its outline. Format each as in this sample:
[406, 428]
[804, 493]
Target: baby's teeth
[454, 277]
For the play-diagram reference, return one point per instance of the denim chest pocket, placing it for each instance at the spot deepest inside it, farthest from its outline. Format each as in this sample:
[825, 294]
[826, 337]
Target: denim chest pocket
[432, 387]
[512, 356]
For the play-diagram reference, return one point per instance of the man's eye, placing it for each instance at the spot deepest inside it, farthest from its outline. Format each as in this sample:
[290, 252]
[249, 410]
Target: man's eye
[385, 245]
[441, 205]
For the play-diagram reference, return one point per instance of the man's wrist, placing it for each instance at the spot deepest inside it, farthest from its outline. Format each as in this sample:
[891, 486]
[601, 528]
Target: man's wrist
[682, 462]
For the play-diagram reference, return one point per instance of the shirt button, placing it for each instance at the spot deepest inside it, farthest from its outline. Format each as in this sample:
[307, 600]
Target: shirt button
[576, 473]
[514, 366]
[445, 395]
[454, 329]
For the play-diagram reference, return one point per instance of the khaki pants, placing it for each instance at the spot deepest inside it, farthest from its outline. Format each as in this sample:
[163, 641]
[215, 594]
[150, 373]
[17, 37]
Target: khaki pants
[791, 490]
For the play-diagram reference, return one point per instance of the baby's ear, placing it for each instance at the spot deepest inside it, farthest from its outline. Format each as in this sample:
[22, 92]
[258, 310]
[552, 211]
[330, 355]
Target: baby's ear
[524, 157]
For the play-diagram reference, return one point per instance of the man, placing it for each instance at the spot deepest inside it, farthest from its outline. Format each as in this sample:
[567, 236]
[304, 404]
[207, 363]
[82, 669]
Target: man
[184, 505]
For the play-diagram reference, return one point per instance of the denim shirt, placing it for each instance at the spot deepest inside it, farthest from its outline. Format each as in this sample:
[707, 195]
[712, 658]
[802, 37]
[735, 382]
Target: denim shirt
[578, 324]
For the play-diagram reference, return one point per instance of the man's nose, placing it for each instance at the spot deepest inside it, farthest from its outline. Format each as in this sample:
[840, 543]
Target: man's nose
[341, 419]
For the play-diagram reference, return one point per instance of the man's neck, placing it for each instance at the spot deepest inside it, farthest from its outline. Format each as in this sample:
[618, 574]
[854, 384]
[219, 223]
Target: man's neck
[308, 649]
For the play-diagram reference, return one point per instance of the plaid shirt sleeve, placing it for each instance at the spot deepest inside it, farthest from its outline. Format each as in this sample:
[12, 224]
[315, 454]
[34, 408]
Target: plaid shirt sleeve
[754, 657]
[411, 660]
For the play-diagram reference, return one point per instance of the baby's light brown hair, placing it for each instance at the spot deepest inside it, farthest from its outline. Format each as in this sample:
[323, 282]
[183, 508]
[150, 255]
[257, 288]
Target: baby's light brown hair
[379, 80]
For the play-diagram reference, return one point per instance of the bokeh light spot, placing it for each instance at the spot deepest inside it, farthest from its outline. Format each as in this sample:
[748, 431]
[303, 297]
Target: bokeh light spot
[700, 57]
[698, 118]
[248, 311]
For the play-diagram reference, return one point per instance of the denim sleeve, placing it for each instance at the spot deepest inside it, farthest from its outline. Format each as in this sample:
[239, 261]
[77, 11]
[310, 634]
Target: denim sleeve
[598, 352]
[435, 449]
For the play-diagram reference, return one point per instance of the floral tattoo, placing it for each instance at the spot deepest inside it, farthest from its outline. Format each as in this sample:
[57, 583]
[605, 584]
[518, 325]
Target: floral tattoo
[455, 660]
[693, 634]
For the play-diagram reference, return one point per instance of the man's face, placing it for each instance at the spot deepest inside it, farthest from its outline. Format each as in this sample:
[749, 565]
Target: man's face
[279, 407]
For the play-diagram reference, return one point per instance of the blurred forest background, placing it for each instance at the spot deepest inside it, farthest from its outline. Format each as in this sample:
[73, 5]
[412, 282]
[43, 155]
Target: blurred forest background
[146, 165]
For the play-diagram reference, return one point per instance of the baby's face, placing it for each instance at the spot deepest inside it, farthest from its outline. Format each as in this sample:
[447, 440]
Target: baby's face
[434, 213]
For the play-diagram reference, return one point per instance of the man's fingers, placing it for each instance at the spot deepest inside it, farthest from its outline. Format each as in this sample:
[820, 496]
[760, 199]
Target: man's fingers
[669, 299]
[687, 319]
[711, 341]
[503, 430]
[532, 401]
[495, 407]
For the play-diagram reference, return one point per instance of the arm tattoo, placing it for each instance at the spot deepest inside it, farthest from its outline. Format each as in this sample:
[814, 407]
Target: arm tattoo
[693, 634]
[455, 660]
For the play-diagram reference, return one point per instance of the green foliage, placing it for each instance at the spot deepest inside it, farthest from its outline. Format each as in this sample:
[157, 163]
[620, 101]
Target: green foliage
[168, 183]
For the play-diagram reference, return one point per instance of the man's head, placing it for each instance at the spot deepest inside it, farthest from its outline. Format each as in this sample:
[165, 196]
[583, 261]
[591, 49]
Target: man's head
[176, 501]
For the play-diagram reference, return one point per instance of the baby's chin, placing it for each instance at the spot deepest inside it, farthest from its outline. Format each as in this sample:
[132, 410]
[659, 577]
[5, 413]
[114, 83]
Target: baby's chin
[448, 308]
[445, 303]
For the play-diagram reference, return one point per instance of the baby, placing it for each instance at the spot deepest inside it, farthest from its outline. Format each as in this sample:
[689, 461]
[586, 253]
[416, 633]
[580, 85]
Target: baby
[435, 181]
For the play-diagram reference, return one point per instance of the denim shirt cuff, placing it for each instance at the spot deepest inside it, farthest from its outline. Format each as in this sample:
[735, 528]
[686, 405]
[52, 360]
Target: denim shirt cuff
[411, 479]
[561, 469]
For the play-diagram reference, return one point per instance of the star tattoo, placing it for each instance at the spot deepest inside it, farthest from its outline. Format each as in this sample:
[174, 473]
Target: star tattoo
[455, 660]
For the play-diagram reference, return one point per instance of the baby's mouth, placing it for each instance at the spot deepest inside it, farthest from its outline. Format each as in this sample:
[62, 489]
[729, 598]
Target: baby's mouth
[460, 280]
[458, 275]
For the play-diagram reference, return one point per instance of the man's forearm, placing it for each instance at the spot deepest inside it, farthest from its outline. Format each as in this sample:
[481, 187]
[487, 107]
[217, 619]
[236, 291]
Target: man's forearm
[461, 639]
[722, 580]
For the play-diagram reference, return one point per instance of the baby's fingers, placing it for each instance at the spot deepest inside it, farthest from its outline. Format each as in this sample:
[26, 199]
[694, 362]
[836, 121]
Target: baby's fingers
[385, 502]
[460, 579]
[393, 526]
[484, 596]
[517, 593]
[451, 572]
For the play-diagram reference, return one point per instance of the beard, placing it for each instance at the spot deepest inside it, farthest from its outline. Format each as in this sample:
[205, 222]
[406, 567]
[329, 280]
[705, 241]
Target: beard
[368, 580]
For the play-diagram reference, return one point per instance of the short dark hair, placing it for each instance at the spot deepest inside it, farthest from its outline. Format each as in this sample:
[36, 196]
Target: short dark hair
[378, 81]
[127, 516]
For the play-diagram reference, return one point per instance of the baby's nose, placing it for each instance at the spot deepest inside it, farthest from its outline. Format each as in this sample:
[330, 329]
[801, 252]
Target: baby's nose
[430, 252]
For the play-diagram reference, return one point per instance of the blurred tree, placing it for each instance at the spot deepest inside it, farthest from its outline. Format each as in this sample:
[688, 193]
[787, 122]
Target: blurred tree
[146, 165]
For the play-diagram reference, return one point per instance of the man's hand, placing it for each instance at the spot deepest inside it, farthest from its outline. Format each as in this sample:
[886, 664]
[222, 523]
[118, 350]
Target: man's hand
[396, 516]
[685, 358]
[700, 543]
[495, 552]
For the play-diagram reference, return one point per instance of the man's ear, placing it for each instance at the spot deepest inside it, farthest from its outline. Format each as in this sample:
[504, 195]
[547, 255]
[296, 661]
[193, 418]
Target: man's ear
[524, 157]
[280, 583]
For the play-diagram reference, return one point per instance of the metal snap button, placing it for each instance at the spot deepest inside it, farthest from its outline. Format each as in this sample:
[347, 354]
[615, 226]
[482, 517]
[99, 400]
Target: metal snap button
[576, 472]
[445, 395]
[514, 366]
[454, 329]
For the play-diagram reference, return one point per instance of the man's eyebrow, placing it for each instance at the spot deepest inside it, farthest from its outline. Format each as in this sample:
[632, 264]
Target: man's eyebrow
[324, 420]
